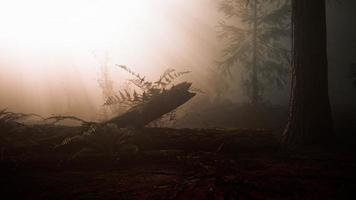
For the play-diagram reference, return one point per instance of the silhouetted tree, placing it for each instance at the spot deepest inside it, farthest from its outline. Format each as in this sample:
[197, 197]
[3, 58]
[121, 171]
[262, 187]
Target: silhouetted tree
[258, 44]
[310, 120]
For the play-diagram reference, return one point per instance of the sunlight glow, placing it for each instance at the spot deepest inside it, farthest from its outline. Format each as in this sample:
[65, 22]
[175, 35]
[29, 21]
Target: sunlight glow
[51, 50]
[42, 25]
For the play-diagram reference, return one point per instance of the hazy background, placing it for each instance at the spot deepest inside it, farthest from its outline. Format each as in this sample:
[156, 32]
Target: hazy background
[51, 52]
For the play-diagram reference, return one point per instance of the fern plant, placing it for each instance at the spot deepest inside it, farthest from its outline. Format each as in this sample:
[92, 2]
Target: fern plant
[105, 140]
[10, 120]
[148, 89]
[12, 126]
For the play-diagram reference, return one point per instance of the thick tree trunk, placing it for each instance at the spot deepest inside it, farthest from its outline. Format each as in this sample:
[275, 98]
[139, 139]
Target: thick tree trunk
[310, 120]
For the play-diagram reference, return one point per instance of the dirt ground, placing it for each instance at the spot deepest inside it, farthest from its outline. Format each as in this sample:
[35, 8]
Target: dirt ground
[194, 167]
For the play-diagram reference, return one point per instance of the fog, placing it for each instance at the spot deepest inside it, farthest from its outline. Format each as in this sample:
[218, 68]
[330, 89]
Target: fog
[52, 53]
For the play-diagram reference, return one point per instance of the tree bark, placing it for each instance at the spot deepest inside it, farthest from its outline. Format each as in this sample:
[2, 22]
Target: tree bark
[310, 120]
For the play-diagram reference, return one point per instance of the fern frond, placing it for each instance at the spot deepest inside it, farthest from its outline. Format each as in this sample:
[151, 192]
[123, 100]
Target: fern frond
[127, 69]
[106, 140]
[149, 89]
[128, 96]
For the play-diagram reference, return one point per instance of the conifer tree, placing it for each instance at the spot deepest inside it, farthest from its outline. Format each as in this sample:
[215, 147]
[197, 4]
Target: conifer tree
[256, 33]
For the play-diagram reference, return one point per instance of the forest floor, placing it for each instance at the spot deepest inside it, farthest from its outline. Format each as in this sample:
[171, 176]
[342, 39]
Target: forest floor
[182, 164]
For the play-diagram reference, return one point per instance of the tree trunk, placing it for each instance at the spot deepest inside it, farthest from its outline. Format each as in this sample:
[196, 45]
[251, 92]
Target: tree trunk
[310, 120]
[254, 80]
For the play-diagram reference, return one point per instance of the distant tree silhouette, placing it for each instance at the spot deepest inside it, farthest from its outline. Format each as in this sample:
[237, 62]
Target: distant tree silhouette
[257, 44]
[310, 120]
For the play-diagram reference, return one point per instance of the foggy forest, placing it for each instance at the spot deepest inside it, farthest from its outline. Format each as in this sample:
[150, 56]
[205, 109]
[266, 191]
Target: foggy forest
[174, 99]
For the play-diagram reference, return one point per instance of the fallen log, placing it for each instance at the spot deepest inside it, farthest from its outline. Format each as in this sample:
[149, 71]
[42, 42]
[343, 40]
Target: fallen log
[155, 107]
